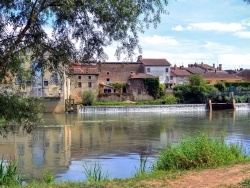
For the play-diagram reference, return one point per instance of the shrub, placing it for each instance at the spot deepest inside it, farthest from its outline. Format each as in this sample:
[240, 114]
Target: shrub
[170, 99]
[87, 98]
[199, 152]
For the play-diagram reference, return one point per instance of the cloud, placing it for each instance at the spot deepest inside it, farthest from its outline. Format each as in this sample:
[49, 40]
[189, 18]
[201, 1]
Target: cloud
[217, 26]
[243, 34]
[214, 26]
[158, 40]
[235, 61]
[218, 47]
[178, 28]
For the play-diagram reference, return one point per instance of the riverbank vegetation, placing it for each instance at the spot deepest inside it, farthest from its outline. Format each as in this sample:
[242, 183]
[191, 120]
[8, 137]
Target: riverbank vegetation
[191, 153]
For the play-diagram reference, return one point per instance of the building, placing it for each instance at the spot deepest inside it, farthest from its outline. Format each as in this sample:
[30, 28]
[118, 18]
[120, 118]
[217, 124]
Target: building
[156, 67]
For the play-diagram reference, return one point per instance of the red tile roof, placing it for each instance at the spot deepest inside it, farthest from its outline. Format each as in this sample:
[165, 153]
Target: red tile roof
[180, 72]
[221, 75]
[245, 74]
[154, 62]
[141, 75]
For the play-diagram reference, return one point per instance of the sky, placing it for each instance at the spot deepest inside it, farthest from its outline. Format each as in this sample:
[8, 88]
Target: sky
[195, 31]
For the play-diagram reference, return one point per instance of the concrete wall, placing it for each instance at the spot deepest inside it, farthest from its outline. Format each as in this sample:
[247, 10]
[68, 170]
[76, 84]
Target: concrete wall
[144, 108]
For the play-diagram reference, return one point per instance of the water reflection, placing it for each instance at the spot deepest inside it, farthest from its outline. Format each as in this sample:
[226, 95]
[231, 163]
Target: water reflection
[67, 141]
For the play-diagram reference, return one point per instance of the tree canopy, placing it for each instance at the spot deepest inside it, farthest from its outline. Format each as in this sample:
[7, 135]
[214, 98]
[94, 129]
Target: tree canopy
[80, 29]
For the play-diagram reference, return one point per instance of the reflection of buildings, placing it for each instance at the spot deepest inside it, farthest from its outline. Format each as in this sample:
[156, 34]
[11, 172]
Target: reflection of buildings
[43, 149]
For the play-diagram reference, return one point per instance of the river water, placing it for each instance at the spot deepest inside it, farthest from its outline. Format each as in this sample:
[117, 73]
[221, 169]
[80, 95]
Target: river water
[116, 141]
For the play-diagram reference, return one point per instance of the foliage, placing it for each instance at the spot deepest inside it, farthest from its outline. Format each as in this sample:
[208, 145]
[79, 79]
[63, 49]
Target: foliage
[118, 86]
[162, 90]
[48, 177]
[169, 99]
[9, 175]
[152, 85]
[200, 151]
[236, 84]
[195, 92]
[15, 109]
[92, 24]
[220, 86]
[87, 98]
[95, 173]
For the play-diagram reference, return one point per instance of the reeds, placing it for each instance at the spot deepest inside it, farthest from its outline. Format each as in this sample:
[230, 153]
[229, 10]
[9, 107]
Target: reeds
[95, 173]
[9, 174]
[200, 151]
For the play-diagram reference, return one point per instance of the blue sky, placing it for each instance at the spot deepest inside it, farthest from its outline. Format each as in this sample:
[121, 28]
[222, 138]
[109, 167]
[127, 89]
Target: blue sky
[200, 31]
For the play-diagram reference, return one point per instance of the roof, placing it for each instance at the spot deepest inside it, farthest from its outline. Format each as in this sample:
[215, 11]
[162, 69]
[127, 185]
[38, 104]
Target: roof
[141, 75]
[106, 85]
[83, 69]
[195, 70]
[180, 72]
[220, 75]
[154, 62]
[245, 74]
[205, 66]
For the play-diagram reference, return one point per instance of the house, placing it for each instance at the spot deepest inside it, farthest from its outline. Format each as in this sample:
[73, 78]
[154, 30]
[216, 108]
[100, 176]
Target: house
[156, 67]
[137, 88]
[179, 76]
[213, 77]
[83, 78]
[245, 74]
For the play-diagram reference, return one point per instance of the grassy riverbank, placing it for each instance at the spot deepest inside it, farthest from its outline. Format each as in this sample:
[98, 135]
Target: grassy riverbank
[175, 161]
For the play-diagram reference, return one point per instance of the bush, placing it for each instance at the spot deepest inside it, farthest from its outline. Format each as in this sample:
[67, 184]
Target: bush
[87, 98]
[170, 99]
[199, 152]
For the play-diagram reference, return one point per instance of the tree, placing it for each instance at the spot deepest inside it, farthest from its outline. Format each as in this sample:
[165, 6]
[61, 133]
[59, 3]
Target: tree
[90, 24]
[196, 91]
[80, 31]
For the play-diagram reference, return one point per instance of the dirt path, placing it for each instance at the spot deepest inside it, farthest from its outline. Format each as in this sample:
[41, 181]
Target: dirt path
[219, 177]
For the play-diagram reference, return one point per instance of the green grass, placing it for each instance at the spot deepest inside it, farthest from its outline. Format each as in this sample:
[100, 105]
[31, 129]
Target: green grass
[200, 151]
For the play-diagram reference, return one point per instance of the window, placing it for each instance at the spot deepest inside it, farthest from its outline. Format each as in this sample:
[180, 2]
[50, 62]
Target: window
[107, 73]
[171, 77]
[148, 69]
[54, 78]
[79, 77]
[90, 84]
[45, 83]
[107, 90]
[89, 77]
[166, 69]
[108, 81]
[79, 84]
[139, 91]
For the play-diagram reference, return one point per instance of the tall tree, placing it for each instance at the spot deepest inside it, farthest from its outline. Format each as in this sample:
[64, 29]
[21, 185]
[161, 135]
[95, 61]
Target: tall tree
[89, 24]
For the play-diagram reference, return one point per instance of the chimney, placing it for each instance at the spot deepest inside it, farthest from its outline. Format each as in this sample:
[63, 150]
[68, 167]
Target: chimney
[139, 58]
[213, 65]
[220, 67]
[174, 66]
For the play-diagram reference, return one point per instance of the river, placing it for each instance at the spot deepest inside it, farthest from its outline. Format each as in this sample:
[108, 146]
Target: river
[116, 141]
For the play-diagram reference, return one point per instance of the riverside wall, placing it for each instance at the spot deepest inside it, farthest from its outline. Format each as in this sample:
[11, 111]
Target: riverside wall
[153, 108]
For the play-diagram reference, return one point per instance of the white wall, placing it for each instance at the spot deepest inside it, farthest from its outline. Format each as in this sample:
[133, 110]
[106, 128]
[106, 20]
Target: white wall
[159, 71]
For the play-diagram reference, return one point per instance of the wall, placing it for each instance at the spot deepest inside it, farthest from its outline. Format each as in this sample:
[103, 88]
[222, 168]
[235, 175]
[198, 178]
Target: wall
[159, 71]
[76, 92]
[144, 108]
